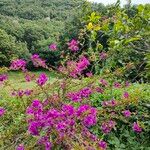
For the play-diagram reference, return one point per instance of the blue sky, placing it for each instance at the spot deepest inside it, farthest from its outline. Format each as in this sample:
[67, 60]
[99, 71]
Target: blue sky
[122, 1]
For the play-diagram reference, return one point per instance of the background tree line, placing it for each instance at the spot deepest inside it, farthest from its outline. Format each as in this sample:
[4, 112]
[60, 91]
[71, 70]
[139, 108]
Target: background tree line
[29, 26]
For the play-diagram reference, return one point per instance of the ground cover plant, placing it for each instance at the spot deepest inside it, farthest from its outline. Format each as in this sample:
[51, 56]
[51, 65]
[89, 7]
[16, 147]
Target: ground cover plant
[95, 98]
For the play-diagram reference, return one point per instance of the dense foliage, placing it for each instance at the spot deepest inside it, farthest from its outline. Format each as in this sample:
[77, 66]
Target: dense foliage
[121, 33]
[34, 24]
[10, 48]
[67, 113]
[120, 37]
[86, 97]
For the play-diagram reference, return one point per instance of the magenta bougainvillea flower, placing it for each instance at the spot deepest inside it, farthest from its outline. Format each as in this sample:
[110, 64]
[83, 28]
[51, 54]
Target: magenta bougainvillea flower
[127, 84]
[75, 68]
[90, 120]
[45, 141]
[53, 47]
[80, 95]
[111, 103]
[18, 64]
[72, 69]
[48, 145]
[136, 127]
[103, 82]
[126, 113]
[89, 74]
[20, 147]
[2, 111]
[69, 109]
[103, 55]
[126, 95]
[35, 107]
[21, 93]
[62, 120]
[108, 126]
[73, 45]
[42, 79]
[28, 92]
[117, 85]
[99, 90]
[37, 61]
[83, 63]
[102, 144]
[74, 96]
[3, 77]
[85, 92]
[29, 77]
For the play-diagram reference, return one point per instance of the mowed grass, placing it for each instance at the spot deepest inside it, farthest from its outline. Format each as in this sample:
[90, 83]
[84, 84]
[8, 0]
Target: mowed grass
[17, 81]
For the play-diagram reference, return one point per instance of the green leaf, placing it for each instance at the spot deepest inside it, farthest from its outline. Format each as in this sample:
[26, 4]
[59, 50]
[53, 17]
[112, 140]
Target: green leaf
[127, 41]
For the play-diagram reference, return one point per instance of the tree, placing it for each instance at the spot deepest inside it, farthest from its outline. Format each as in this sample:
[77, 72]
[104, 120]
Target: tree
[10, 49]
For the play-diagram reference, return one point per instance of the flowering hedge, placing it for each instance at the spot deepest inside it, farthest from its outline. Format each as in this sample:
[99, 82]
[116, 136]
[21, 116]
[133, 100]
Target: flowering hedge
[72, 112]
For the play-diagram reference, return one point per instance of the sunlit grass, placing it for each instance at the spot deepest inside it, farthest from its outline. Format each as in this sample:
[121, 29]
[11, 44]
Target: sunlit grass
[17, 81]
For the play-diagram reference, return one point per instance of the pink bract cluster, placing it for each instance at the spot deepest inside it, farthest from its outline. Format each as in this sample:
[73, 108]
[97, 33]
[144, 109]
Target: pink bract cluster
[29, 77]
[80, 95]
[83, 63]
[73, 45]
[117, 85]
[37, 61]
[103, 55]
[126, 113]
[103, 82]
[89, 74]
[136, 127]
[127, 84]
[126, 95]
[63, 121]
[53, 47]
[102, 144]
[108, 126]
[21, 93]
[20, 147]
[42, 79]
[110, 103]
[75, 68]
[2, 111]
[18, 64]
[99, 90]
[3, 77]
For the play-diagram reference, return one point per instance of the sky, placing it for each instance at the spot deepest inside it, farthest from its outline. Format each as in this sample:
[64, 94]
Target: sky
[122, 1]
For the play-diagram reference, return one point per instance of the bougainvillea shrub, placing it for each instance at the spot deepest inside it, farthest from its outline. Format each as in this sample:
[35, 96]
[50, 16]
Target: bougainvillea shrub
[117, 41]
[90, 104]
[72, 112]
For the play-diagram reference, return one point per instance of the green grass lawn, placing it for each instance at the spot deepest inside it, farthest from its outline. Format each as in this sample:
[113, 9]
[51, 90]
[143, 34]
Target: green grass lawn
[17, 81]
[17, 78]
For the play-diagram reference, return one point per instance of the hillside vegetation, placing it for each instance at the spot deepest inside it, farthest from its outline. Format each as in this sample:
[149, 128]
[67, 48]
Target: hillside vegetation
[28, 25]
